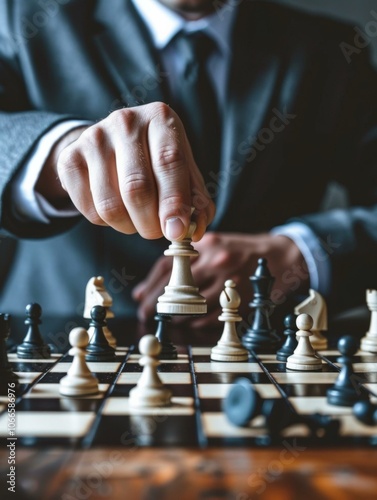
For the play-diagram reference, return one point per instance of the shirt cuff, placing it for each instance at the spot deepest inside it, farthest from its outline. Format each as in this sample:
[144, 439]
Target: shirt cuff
[27, 203]
[316, 258]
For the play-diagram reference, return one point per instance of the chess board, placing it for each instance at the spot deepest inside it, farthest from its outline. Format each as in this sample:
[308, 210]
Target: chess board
[195, 419]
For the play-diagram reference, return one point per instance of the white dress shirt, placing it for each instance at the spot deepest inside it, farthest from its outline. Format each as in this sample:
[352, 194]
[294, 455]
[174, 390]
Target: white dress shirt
[163, 24]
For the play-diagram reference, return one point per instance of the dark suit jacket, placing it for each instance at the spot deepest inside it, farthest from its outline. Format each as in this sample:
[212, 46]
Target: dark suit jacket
[297, 116]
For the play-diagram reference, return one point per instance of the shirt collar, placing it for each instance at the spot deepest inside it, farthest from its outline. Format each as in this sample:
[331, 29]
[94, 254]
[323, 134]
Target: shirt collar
[163, 23]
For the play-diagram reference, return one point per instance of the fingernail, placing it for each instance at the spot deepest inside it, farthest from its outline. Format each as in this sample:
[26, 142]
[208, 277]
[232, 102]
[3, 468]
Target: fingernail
[174, 228]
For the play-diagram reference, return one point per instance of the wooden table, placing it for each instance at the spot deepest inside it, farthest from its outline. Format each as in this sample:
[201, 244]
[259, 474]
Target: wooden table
[211, 474]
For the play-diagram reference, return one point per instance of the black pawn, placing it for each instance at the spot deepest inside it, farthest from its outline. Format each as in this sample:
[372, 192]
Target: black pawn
[33, 346]
[345, 391]
[168, 349]
[260, 337]
[8, 379]
[366, 412]
[290, 343]
[98, 348]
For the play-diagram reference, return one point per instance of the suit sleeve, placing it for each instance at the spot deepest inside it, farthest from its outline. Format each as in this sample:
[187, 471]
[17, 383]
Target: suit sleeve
[20, 129]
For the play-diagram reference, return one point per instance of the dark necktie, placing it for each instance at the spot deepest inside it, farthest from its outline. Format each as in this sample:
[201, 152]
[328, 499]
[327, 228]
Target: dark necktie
[197, 104]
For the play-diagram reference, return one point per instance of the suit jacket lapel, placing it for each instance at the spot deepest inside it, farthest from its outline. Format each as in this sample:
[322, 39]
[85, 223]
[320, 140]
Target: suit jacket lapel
[251, 88]
[127, 51]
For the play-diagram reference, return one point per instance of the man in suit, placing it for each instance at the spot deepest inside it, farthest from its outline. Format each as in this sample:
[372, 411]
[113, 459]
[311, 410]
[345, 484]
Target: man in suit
[88, 91]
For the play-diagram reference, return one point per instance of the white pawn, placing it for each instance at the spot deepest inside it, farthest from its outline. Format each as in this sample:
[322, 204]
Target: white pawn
[229, 347]
[149, 391]
[79, 380]
[304, 357]
[369, 342]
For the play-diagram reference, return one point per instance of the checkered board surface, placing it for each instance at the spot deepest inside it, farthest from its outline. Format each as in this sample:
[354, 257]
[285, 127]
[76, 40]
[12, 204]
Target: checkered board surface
[44, 418]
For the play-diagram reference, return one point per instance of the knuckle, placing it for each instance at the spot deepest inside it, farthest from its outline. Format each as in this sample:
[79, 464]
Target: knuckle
[137, 189]
[94, 137]
[110, 210]
[124, 120]
[162, 111]
[165, 116]
[173, 205]
[69, 160]
[169, 159]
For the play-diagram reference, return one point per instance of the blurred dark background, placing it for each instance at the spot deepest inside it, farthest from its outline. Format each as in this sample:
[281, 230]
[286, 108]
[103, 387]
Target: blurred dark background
[354, 12]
